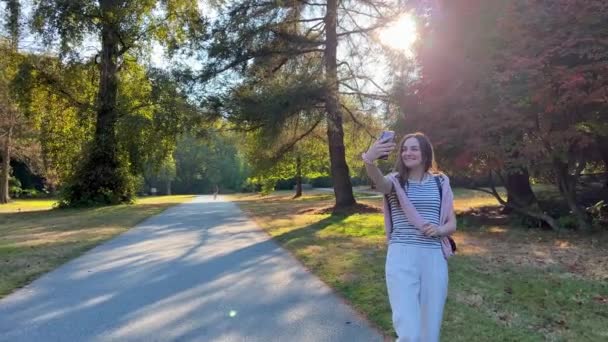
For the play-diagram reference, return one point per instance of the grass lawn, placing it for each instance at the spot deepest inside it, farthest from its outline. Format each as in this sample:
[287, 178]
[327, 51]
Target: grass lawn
[24, 205]
[35, 239]
[506, 283]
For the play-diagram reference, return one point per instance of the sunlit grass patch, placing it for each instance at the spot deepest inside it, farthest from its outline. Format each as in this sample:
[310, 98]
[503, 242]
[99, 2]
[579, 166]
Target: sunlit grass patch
[506, 284]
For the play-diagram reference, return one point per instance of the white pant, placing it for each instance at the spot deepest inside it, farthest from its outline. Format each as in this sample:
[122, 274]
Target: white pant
[417, 283]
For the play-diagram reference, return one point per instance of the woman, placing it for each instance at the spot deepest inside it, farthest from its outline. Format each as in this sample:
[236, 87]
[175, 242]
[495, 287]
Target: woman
[420, 214]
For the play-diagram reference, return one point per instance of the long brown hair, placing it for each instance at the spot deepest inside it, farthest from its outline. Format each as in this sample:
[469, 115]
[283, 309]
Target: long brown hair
[426, 150]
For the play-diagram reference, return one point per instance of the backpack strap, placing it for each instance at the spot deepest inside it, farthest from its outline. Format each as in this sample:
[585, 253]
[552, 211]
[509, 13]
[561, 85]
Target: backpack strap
[440, 188]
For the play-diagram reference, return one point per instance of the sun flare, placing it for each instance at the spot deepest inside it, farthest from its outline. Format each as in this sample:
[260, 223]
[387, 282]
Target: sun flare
[400, 35]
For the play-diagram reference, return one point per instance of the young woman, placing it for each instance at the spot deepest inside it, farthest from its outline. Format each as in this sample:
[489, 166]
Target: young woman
[418, 214]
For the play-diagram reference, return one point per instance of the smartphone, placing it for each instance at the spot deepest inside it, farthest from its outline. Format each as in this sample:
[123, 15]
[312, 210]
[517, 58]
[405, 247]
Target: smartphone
[385, 137]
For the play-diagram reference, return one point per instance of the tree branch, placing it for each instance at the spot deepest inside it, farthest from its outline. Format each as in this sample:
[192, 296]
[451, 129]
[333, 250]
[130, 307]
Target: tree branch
[525, 211]
[357, 92]
[54, 84]
[212, 73]
[352, 115]
[348, 10]
[286, 148]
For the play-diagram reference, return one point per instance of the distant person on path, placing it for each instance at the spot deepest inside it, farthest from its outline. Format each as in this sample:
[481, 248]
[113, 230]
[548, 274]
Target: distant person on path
[217, 191]
[419, 215]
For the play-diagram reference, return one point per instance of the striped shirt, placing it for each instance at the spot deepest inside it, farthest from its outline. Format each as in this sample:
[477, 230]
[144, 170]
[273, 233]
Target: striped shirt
[425, 198]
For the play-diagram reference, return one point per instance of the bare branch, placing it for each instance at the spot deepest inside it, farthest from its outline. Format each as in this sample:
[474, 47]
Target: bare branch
[308, 3]
[357, 92]
[352, 115]
[243, 59]
[379, 24]
[286, 148]
[302, 20]
[350, 10]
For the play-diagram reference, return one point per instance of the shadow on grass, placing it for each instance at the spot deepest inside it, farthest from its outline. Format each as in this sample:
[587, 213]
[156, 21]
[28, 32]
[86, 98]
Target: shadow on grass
[310, 230]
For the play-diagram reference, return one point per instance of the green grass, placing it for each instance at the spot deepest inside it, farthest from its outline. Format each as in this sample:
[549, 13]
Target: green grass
[34, 240]
[523, 304]
[501, 288]
[23, 205]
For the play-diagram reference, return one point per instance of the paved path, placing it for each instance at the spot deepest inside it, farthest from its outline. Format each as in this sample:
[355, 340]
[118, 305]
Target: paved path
[200, 271]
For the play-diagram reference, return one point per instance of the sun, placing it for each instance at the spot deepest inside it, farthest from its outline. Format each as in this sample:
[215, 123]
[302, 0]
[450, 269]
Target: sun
[400, 35]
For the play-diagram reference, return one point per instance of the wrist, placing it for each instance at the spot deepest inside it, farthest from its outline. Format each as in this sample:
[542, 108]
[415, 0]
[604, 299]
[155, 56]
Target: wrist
[442, 230]
[366, 159]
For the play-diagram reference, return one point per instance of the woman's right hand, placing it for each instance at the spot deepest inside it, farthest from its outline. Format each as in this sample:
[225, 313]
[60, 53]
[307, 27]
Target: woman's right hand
[379, 149]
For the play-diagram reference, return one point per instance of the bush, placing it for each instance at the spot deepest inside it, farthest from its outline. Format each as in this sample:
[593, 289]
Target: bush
[285, 184]
[322, 182]
[267, 186]
[599, 213]
[14, 187]
[357, 181]
[568, 222]
[14, 191]
[94, 184]
[33, 193]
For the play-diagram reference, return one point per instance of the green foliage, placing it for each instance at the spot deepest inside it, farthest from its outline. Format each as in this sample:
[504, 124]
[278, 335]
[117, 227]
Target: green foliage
[268, 185]
[125, 30]
[278, 99]
[58, 100]
[203, 163]
[567, 221]
[152, 114]
[111, 184]
[14, 187]
[599, 213]
[174, 23]
[284, 155]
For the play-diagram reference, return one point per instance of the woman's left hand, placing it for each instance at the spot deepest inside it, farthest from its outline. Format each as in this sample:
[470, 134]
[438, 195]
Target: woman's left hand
[430, 229]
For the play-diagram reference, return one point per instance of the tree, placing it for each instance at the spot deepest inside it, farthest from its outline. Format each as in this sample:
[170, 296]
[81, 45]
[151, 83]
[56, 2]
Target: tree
[294, 153]
[273, 36]
[163, 173]
[454, 97]
[206, 161]
[11, 118]
[58, 101]
[566, 78]
[514, 98]
[124, 28]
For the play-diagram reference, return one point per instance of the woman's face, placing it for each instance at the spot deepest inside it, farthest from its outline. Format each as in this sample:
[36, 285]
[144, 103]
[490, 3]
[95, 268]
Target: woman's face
[411, 154]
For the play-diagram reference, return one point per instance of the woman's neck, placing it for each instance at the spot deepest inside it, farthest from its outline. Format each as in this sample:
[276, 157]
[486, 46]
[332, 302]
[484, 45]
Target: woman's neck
[416, 174]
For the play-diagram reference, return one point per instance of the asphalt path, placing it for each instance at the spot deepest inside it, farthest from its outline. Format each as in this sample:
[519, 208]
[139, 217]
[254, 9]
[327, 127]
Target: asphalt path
[200, 271]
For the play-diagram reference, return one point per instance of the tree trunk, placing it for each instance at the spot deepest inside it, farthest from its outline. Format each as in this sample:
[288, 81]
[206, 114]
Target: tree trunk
[335, 133]
[529, 211]
[519, 191]
[6, 166]
[602, 145]
[298, 177]
[101, 178]
[14, 8]
[168, 187]
[567, 187]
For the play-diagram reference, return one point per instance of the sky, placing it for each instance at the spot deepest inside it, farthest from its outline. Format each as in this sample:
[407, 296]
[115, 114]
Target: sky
[372, 63]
